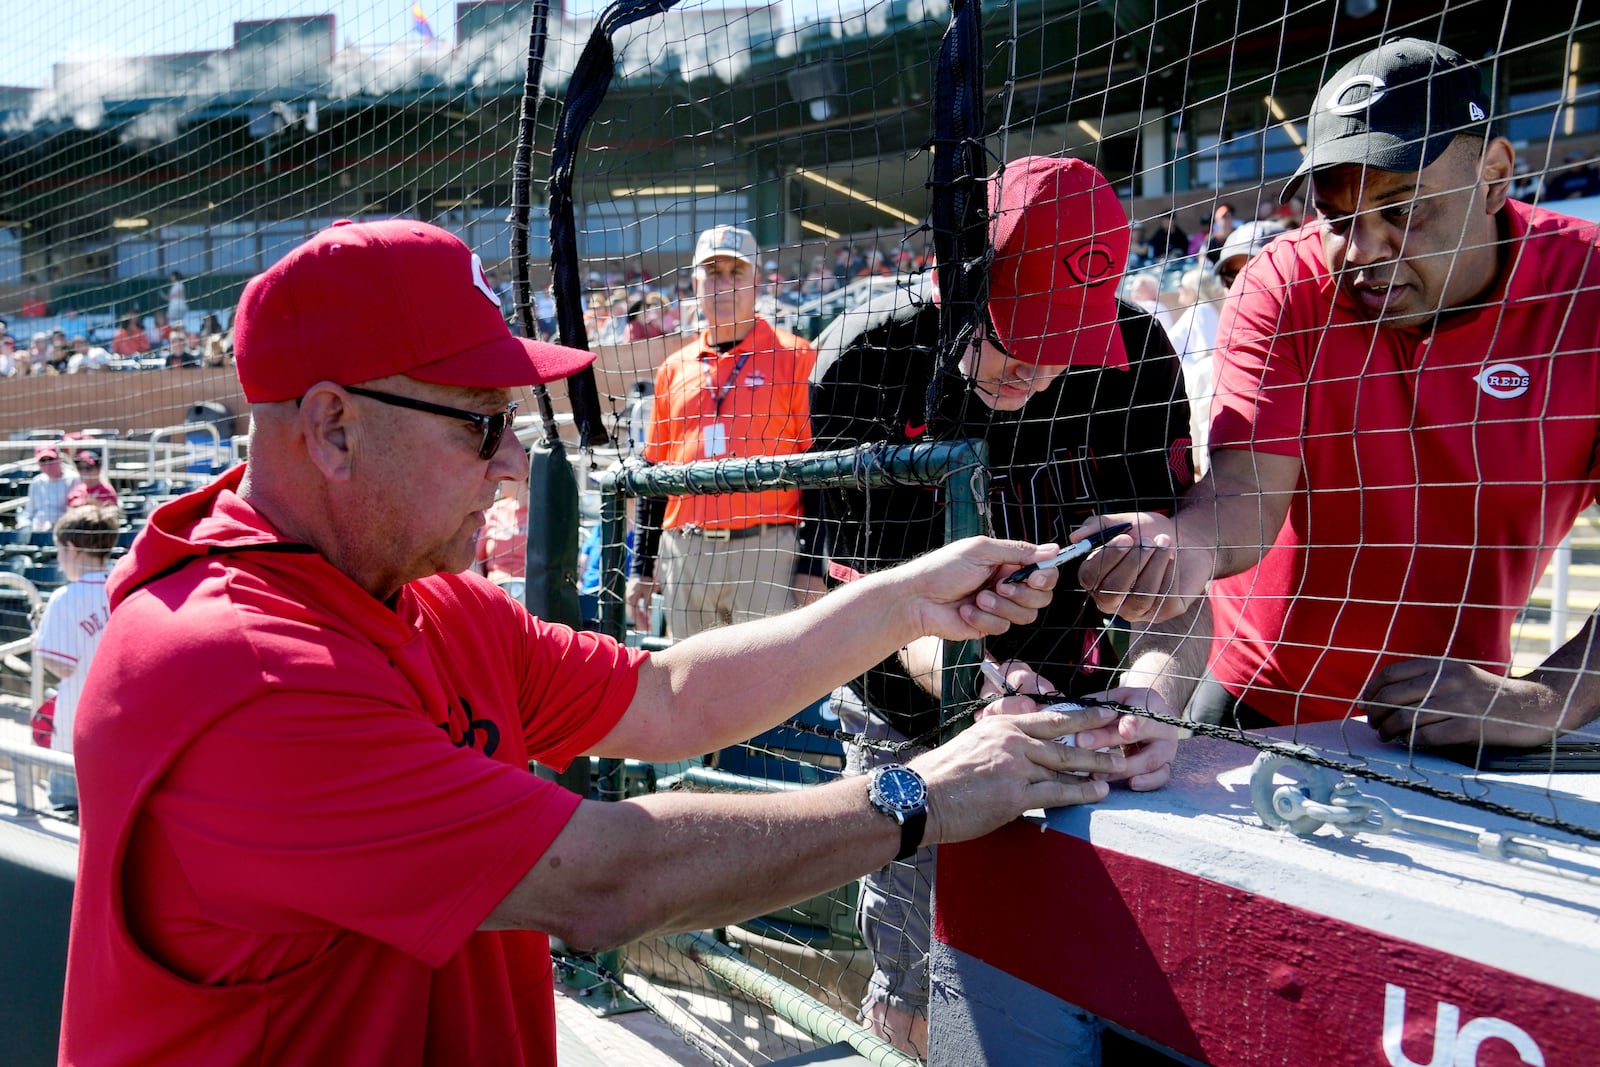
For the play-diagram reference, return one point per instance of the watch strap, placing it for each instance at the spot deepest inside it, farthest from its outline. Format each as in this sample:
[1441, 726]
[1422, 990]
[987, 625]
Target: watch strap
[911, 829]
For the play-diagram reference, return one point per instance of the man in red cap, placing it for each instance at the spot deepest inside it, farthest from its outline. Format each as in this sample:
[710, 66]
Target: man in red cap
[1404, 430]
[89, 487]
[309, 834]
[1080, 401]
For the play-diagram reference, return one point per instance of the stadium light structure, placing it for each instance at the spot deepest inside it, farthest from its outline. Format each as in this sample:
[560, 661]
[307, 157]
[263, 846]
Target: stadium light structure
[666, 190]
[856, 195]
[1289, 128]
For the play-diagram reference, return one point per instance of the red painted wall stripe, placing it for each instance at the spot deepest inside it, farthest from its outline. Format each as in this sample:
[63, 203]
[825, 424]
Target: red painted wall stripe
[1233, 978]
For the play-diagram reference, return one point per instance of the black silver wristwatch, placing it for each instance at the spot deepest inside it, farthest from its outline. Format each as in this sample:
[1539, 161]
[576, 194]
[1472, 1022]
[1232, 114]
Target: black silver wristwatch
[900, 793]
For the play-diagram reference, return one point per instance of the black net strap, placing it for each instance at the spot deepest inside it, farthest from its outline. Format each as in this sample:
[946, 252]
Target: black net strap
[590, 80]
[959, 212]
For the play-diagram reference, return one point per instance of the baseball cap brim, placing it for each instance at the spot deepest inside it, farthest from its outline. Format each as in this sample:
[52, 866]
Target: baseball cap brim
[724, 253]
[504, 363]
[1035, 330]
[1372, 148]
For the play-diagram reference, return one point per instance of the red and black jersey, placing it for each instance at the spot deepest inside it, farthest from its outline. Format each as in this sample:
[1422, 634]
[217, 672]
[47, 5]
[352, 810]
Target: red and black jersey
[1098, 440]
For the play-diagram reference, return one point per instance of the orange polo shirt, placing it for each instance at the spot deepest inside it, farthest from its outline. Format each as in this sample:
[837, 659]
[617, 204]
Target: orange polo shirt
[753, 400]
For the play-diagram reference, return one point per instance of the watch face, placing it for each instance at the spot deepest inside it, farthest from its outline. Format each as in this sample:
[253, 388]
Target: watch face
[900, 789]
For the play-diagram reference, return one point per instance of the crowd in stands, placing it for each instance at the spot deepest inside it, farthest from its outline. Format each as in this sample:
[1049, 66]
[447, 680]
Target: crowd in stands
[139, 342]
[633, 305]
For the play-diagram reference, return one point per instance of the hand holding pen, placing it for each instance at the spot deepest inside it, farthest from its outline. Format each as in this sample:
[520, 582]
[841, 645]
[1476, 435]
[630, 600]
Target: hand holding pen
[1072, 553]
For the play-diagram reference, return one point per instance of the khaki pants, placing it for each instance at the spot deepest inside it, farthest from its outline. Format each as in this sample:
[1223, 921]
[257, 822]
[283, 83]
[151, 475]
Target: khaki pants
[708, 583]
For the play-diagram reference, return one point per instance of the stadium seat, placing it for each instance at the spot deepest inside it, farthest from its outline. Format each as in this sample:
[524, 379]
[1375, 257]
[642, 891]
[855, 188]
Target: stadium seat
[45, 577]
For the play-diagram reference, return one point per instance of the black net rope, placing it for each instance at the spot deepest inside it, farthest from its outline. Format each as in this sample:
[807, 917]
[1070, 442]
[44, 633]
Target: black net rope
[522, 193]
[590, 79]
[1300, 754]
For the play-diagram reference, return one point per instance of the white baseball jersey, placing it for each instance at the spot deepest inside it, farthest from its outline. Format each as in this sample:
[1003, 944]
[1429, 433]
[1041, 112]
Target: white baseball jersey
[70, 631]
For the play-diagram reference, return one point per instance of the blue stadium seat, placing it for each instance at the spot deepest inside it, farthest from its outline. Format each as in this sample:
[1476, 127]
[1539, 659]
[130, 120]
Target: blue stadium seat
[45, 577]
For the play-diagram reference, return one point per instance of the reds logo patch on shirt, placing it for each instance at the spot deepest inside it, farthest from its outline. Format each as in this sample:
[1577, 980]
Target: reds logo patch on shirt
[1504, 381]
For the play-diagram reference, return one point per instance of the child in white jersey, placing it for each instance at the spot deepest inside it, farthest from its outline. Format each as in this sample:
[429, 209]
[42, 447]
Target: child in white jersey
[73, 621]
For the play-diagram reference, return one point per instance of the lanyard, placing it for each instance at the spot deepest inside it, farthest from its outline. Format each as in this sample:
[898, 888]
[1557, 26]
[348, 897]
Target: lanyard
[719, 394]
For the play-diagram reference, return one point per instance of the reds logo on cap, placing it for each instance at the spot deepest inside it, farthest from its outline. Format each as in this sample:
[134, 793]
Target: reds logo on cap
[480, 278]
[1347, 98]
[1091, 263]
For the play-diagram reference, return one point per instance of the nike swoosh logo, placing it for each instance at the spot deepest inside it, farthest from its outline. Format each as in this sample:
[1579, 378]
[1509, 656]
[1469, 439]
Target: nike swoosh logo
[915, 431]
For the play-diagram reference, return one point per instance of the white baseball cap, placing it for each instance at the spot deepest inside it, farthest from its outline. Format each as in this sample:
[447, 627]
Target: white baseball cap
[727, 241]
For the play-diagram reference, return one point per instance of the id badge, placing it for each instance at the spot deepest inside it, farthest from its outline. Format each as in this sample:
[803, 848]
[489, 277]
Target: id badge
[715, 439]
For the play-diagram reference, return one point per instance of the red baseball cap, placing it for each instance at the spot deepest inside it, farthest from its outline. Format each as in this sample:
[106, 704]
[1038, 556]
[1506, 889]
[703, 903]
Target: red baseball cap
[364, 300]
[45, 452]
[1060, 239]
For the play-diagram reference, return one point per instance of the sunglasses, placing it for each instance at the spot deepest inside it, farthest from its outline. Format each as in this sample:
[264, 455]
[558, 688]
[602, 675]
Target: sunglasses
[493, 427]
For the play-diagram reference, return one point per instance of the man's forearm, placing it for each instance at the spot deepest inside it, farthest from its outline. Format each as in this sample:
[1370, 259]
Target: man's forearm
[1573, 673]
[722, 686]
[1235, 512]
[1170, 657]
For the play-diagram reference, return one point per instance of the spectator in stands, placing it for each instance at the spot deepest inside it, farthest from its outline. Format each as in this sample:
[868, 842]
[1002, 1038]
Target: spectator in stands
[644, 317]
[310, 833]
[182, 350]
[88, 487]
[819, 279]
[738, 389]
[177, 300]
[1223, 219]
[1578, 177]
[72, 623]
[60, 351]
[130, 339]
[39, 354]
[503, 542]
[8, 356]
[844, 265]
[215, 344]
[544, 312]
[1194, 337]
[1079, 401]
[874, 266]
[1168, 240]
[47, 491]
[1410, 384]
[1144, 292]
[1242, 244]
[158, 330]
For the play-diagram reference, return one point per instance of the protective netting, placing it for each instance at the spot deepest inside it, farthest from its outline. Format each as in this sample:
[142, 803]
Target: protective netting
[851, 177]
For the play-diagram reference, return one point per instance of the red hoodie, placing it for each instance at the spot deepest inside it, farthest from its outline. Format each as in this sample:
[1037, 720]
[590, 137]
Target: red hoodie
[299, 803]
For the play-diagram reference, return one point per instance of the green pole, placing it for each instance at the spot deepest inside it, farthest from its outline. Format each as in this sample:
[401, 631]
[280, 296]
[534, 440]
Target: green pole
[965, 515]
[804, 1011]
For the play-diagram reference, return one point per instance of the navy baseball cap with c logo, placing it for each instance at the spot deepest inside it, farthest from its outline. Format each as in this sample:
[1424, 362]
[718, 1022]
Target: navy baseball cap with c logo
[1395, 108]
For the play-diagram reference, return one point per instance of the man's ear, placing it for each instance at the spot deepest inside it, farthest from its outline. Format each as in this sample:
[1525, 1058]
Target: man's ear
[327, 422]
[1496, 171]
